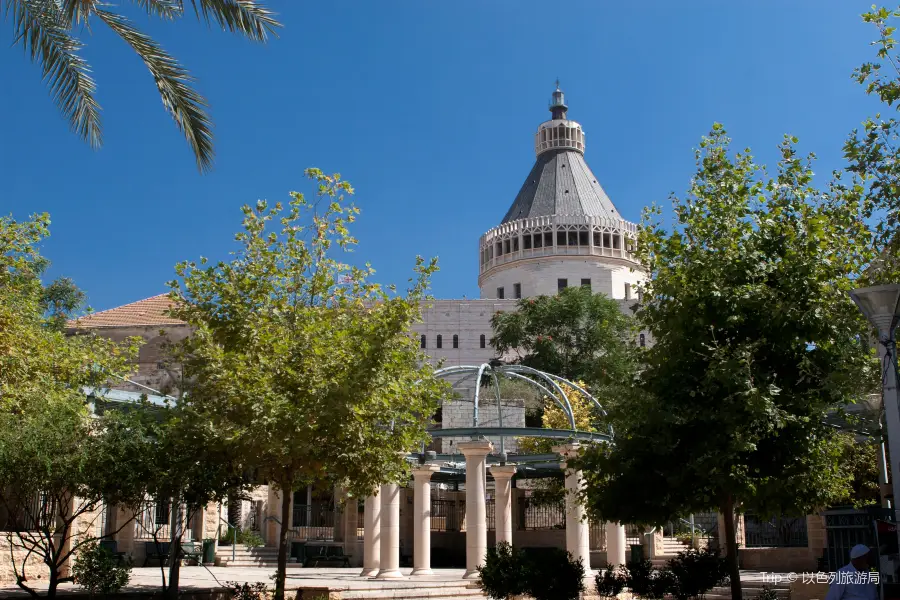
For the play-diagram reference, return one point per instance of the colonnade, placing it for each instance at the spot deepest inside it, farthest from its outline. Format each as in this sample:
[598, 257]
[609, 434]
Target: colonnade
[381, 542]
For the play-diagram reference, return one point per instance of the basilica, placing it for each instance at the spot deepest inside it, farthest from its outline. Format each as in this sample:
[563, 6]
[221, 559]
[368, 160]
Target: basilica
[560, 229]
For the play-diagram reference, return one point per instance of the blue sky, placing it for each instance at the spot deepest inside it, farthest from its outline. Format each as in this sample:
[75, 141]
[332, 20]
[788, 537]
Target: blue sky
[428, 108]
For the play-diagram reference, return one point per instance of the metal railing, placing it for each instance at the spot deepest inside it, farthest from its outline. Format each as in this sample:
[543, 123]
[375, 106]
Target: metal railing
[312, 522]
[778, 532]
[448, 514]
[537, 516]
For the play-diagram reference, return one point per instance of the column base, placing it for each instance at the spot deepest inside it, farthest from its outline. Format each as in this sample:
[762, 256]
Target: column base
[471, 574]
[369, 572]
[418, 572]
[390, 574]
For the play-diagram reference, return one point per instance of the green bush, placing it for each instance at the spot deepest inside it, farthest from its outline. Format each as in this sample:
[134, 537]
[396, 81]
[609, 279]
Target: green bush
[248, 591]
[556, 577]
[767, 593]
[611, 581]
[248, 538]
[547, 574]
[504, 572]
[99, 571]
[697, 572]
[646, 582]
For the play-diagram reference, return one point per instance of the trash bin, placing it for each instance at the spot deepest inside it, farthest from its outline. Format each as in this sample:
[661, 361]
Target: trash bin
[637, 553]
[209, 552]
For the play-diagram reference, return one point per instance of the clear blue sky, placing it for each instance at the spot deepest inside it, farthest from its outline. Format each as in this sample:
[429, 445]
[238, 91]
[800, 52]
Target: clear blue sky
[428, 108]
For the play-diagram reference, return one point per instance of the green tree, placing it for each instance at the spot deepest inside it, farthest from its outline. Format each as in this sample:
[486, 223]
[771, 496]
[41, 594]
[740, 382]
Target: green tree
[58, 464]
[299, 359]
[873, 152]
[756, 340]
[575, 334]
[859, 465]
[48, 31]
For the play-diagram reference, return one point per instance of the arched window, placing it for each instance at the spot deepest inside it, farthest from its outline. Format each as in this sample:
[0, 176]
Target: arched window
[422, 341]
[482, 341]
[643, 341]
[440, 341]
[456, 341]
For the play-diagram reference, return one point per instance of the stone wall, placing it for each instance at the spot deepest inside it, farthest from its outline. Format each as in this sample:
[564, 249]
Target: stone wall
[35, 569]
[778, 560]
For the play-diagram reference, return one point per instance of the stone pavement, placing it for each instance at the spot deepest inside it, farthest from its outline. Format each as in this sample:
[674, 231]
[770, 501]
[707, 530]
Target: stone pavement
[336, 579]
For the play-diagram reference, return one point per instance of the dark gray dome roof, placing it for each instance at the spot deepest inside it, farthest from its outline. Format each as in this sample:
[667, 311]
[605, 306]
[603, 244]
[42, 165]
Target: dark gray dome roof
[561, 183]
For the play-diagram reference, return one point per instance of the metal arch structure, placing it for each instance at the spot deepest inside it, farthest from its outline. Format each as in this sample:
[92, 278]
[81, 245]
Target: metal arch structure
[546, 383]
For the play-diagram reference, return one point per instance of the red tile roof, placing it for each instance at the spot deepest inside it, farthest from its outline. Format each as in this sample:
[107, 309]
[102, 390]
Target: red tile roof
[150, 311]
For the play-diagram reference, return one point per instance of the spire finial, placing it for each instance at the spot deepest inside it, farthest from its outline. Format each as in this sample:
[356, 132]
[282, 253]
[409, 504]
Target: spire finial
[557, 84]
[558, 103]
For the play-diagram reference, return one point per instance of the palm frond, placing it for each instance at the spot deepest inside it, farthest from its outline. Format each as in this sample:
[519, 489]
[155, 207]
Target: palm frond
[247, 17]
[166, 9]
[43, 29]
[186, 106]
[75, 12]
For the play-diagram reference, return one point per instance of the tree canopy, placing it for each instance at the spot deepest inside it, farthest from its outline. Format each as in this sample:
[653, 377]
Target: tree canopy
[575, 334]
[756, 339]
[302, 361]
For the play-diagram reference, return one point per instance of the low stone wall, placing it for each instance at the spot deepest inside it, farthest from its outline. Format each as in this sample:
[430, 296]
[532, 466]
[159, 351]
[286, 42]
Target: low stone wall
[778, 560]
[35, 569]
[808, 591]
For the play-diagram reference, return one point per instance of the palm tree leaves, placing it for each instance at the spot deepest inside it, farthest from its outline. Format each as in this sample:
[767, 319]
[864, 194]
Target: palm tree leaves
[185, 105]
[44, 28]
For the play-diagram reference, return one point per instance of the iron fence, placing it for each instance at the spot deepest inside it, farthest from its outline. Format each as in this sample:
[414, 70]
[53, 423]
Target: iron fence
[448, 514]
[541, 515]
[153, 520]
[27, 514]
[844, 528]
[633, 535]
[778, 532]
[597, 535]
[491, 514]
[312, 522]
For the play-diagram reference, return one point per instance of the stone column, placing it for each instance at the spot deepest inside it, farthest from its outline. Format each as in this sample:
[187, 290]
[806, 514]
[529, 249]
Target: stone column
[578, 533]
[390, 532]
[503, 521]
[422, 518]
[273, 509]
[615, 543]
[476, 453]
[372, 536]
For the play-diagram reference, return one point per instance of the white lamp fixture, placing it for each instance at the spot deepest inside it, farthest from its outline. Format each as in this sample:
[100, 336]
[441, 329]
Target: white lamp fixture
[881, 306]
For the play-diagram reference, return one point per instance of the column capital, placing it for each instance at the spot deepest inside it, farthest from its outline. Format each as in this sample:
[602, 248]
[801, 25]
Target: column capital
[476, 448]
[502, 471]
[571, 450]
[425, 471]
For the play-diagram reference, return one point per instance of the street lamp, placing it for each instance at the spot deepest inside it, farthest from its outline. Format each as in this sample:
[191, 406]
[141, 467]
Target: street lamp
[881, 306]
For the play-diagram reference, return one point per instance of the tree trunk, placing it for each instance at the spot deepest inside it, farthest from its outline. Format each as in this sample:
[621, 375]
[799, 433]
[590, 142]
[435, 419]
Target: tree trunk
[177, 533]
[286, 500]
[731, 549]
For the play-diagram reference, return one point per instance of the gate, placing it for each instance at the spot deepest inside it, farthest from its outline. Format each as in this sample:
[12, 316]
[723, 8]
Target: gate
[846, 528]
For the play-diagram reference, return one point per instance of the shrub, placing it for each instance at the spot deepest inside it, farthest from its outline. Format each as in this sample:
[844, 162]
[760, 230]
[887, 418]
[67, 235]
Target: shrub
[697, 572]
[645, 581]
[248, 591]
[246, 537]
[611, 581]
[504, 572]
[767, 593]
[556, 577]
[99, 571]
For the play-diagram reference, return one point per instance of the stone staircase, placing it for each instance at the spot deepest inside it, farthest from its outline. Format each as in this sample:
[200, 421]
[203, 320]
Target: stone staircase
[261, 556]
[671, 547]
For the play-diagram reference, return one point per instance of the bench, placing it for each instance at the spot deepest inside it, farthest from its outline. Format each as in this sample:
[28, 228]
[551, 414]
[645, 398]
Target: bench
[156, 551]
[316, 555]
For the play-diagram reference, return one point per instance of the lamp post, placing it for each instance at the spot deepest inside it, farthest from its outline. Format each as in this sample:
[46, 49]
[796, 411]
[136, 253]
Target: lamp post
[881, 306]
